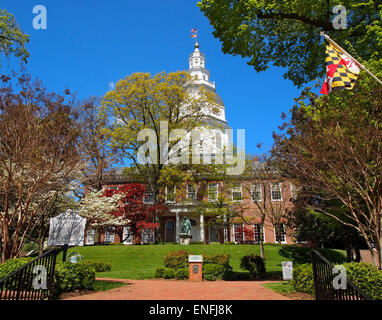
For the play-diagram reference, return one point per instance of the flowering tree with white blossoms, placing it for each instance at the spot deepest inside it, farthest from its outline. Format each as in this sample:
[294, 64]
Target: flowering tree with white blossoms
[97, 209]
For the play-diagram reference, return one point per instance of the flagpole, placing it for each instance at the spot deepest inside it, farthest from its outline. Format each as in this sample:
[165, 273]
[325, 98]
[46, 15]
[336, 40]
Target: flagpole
[339, 47]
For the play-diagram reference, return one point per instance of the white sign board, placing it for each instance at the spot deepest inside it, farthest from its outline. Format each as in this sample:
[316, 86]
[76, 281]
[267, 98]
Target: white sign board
[287, 270]
[195, 258]
[67, 228]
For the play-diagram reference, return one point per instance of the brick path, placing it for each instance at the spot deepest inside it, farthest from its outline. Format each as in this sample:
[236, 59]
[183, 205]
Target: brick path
[184, 290]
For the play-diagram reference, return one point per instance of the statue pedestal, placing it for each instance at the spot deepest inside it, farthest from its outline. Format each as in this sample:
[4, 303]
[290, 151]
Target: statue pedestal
[185, 238]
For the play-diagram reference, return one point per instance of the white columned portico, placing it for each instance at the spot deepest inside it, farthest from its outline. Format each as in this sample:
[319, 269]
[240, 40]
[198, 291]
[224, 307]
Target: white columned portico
[201, 228]
[177, 228]
[225, 229]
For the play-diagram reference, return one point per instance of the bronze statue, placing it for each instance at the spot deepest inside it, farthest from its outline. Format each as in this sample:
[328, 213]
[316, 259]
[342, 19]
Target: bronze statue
[186, 226]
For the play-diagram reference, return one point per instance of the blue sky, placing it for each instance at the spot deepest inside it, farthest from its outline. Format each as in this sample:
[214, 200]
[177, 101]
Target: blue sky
[90, 44]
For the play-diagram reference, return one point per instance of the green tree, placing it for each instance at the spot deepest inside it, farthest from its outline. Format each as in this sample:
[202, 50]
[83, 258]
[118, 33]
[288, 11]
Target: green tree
[332, 148]
[286, 33]
[12, 39]
[157, 106]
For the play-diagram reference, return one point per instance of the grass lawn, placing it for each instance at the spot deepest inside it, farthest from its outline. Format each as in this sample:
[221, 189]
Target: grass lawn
[140, 261]
[280, 287]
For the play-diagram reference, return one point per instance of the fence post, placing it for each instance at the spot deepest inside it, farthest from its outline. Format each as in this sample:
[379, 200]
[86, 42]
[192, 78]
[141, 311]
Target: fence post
[65, 250]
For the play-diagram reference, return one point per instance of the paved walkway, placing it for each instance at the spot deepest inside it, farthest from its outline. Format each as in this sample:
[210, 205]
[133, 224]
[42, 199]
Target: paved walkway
[159, 289]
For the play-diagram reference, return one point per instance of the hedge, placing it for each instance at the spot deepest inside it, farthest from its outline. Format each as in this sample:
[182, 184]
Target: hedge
[215, 266]
[73, 276]
[182, 274]
[213, 272]
[98, 265]
[303, 278]
[363, 275]
[12, 265]
[367, 277]
[179, 259]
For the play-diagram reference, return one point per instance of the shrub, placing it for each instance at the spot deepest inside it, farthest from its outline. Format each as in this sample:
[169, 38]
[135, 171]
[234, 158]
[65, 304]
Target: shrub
[254, 264]
[181, 274]
[168, 273]
[159, 272]
[73, 276]
[98, 265]
[303, 278]
[213, 272]
[12, 265]
[222, 259]
[176, 259]
[367, 277]
[229, 276]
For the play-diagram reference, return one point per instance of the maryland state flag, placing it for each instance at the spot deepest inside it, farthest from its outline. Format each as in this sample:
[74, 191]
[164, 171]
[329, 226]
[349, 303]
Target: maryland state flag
[341, 70]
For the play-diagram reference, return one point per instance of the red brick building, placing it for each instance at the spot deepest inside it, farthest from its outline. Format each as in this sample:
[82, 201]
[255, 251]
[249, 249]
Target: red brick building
[183, 201]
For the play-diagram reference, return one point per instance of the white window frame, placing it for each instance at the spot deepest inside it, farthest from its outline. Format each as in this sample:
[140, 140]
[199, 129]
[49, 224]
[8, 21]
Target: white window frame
[253, 189]
[234, 232]
[109, 233]
[217, 192]
[281, 191]
[241, 193]
[150, 237]
[90, 236]
[254, 233]
[174, 201]
[196, 192]
[129, 240]
[148, 193]
[284, 234]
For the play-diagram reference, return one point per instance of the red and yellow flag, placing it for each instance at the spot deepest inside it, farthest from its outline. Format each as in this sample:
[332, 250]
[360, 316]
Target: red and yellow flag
[341, 70]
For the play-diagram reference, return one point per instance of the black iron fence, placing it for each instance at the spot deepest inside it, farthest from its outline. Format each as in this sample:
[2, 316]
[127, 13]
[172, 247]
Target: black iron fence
[324, 282]
[33, 281]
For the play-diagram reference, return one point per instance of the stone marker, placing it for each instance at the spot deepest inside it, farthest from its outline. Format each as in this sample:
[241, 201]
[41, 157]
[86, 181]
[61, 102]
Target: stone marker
[287, 270]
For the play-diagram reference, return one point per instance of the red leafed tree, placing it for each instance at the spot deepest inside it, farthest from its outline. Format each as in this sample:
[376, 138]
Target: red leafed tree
[141, 215]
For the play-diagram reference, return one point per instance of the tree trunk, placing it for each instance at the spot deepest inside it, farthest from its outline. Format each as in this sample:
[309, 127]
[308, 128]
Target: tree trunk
[261, 234]
[5, 242]
[379, 253]
[41, 245]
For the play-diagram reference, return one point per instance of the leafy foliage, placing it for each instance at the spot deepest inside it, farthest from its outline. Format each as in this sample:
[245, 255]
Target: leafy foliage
[73, 276]
[12, 39]
[255, 265]
[176, 259]
[213, 271]
[133, 210]
[367, 277]
[168, 273]
[97, 265]
[331, 149]
[12, 265]
[287, 33]
[303, 278]
[182, 274]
